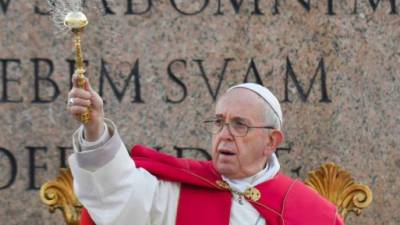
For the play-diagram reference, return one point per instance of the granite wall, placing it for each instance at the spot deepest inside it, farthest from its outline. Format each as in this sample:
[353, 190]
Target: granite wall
[160, 66]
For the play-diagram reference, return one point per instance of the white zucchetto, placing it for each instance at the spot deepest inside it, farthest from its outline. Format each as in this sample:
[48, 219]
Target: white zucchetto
[266, 95]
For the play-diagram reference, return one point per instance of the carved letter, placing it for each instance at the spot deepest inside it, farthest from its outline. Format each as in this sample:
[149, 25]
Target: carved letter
[41, 12]
[130, 10]
[107, 9]
[4, 5]
[304, 95]
[306, 5]
[63, 154]
[33, 166]
[213, 94]
[393, 9]
[374, 5]
[120, 94]
[4, 95]
[236, 4]
[189, 13]
[13, 166]
[172, 76]
[330, 8]
[275, 10]
[36, 62]
[255, 72]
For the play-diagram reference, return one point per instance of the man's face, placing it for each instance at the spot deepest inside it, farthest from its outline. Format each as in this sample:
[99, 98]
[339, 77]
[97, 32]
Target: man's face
[240, 157]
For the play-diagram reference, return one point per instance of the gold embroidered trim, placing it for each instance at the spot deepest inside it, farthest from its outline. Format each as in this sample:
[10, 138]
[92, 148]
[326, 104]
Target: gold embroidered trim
[222, 184]
[251, 193]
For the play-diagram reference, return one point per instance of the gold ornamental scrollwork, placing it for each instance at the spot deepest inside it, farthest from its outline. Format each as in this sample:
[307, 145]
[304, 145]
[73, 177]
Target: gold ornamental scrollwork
[58, 194]
[339, 187]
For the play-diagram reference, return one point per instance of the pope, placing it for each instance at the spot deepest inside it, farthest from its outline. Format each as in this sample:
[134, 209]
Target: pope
[241, 185]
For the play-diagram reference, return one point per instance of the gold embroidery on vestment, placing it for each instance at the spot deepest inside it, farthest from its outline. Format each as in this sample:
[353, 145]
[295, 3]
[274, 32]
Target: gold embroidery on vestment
[251, 193]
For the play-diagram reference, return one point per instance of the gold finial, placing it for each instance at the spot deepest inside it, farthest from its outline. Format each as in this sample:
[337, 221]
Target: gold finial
[75, 20]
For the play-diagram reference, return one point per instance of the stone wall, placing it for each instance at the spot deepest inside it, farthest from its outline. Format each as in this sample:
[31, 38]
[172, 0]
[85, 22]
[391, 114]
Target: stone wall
[161, 65]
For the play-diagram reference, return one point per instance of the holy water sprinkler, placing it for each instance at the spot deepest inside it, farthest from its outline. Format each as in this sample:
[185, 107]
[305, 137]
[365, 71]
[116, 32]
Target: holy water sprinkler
[76, 21]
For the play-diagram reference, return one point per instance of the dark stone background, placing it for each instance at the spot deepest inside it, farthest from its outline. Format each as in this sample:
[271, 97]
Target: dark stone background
[349, 114]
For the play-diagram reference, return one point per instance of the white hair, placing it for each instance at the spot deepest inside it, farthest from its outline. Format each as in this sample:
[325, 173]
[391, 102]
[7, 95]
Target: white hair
[271, 119]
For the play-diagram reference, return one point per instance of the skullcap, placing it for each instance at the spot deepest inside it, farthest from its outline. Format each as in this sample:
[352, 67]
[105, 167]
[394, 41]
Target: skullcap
[266, 94]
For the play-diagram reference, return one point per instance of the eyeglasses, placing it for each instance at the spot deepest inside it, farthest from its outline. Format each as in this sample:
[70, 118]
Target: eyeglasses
[236, 126]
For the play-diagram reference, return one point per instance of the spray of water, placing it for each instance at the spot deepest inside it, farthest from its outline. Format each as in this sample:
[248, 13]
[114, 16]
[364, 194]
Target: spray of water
[102, 29]
[59, 9]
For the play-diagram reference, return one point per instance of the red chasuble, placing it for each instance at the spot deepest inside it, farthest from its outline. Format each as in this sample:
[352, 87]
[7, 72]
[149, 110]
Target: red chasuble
[204, 201]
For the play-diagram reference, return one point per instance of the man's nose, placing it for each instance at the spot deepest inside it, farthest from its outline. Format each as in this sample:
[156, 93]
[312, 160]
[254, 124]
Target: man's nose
[225, 133]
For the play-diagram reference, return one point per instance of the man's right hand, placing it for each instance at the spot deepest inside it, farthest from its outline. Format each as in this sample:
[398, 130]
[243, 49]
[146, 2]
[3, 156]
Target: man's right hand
[83, 99]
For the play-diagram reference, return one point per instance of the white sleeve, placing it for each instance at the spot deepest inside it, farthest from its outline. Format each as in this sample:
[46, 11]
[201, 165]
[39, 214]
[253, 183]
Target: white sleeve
[114, 191]
[88, 145]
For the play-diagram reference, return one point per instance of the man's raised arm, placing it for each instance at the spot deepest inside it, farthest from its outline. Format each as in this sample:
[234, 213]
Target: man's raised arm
[106, 180]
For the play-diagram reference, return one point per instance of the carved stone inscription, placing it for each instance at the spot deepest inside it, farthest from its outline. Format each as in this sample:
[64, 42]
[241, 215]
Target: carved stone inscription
[132, 8]
[43, 69]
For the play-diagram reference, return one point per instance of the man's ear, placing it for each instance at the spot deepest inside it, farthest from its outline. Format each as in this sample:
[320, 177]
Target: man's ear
[276, 138]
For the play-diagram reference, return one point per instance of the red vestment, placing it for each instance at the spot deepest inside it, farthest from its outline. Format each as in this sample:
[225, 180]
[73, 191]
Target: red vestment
[202, 202]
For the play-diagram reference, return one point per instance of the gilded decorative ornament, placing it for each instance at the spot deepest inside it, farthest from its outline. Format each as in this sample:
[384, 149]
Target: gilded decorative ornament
[252, 194]
[59, 194]
[339, 187]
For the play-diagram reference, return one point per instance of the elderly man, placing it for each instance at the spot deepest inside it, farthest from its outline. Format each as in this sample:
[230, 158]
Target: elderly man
[241, 185]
